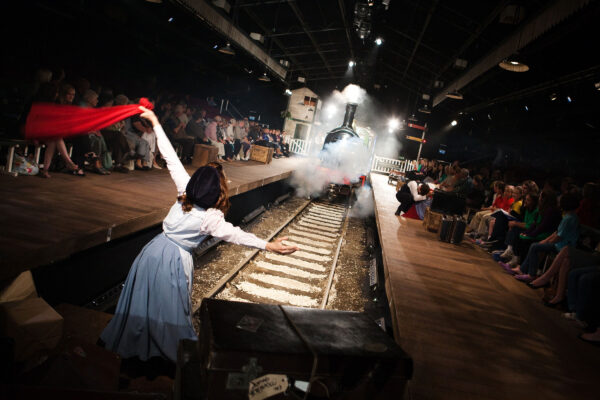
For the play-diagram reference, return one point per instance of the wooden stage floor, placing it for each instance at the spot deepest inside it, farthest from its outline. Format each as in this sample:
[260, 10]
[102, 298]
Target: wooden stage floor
[473, 331]
[44, 220]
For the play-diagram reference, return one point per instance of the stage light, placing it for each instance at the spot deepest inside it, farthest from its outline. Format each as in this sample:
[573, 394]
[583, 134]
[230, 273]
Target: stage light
[454, 95]
[413, 118]
[351, 63]
[425, 109]
[264, 78]
[526, 108]
[513, 65]
[393, 123]
[553, 97]
[216, 46]
[454, 123]
[489, 117]
[569, 99]
[597, 85]
[227, 50]
[331, 109]
[287, 92]
[171, 19]
[379, 41]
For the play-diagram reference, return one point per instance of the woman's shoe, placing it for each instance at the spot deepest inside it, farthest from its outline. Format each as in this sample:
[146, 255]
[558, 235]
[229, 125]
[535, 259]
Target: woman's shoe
[75, 170]
[507, 268]
[523, 278]
[43, 174]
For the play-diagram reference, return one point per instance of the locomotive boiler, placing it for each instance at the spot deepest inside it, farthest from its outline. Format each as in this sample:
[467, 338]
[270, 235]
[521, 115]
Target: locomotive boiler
[338, 156]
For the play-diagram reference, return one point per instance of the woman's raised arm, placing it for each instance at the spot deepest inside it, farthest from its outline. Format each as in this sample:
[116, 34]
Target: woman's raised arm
[178, 172]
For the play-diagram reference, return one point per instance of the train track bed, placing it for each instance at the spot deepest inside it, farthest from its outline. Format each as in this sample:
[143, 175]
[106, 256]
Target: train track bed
[300, 279]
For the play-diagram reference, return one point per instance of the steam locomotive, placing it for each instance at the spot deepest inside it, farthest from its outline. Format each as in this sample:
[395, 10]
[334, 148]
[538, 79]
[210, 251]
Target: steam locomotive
[340, 183]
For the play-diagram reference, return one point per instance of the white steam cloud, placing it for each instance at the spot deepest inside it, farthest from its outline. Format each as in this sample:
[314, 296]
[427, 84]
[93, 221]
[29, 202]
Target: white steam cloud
[340, 162]
[363, 207]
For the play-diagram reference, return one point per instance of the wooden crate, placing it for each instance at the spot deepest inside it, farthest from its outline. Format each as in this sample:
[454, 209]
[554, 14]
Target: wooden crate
[432, 221]
[261, 154]
[203, 154]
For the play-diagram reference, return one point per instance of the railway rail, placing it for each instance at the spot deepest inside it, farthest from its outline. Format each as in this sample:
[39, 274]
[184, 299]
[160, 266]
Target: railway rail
[303, 278]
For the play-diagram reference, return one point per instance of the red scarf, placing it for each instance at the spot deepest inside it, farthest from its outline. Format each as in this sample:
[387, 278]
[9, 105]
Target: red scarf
[47, 120]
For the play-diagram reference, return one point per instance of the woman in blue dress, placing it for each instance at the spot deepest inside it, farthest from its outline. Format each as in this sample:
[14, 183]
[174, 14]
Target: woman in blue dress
[154, 310]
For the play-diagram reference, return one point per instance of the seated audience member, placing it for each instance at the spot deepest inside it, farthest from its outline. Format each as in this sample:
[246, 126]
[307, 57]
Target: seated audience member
[113, 135]
[589, 207]
[238, 135]
[548, 218]
[410, 193]
[530, 186]
[227, 137]
[211, 134]
[90, 147]
[566, 235]
[197, 126]
[500, 216]
[463, 182]
[584, 300]
[479, 224]
[134, 132]
[475, 196]
[175, 129]
[568, 258]
[66, 95]
[502, 221]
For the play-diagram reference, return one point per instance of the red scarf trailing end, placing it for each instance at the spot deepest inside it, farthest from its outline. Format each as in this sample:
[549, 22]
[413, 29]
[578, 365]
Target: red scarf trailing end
[47, 120]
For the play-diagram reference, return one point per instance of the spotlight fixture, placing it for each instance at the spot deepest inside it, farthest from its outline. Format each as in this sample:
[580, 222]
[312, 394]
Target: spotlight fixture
[454, 123]
[216, 46]
[227, 49]
[454, 95]
[425, 109]
[597, 85]
[569, 99]
[553, 97]
[379, 41]
[287, 92]
[513, 65]
[154, 1]
[413, 118]
[489, 116]
[526, 108]
[171, 19]
[264, 77]
[393, 123]
[351, 63]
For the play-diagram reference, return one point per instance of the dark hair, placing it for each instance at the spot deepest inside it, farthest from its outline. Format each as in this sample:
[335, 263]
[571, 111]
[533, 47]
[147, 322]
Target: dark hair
[547, 200]
[424, 189]
[500, 185]
[569, 201]
[534, 200]
[222, 202]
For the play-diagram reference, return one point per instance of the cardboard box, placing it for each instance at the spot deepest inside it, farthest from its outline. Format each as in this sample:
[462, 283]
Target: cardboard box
[432, 220]
[203, 154]
[33, 324]
[261, 154]
[20, 288]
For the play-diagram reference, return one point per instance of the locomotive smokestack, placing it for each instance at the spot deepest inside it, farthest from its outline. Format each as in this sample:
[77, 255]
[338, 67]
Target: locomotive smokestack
[349, 116]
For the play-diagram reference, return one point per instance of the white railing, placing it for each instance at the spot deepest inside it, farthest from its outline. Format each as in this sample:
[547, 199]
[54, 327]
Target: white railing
[385, 165]
[299, 146]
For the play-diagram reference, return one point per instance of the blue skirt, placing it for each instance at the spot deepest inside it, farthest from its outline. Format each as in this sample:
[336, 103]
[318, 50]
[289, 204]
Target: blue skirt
[154, 310]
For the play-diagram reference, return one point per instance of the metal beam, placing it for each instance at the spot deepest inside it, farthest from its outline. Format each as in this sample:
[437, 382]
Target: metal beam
[415, 80]
[543, 22]
[205, 12]
[266, 30]
[418, 43]
[343, 13]
[303, 32]
[305, 53]
[298, 13]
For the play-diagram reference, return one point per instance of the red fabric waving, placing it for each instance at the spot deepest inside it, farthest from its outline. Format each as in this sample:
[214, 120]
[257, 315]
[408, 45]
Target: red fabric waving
[47, 120]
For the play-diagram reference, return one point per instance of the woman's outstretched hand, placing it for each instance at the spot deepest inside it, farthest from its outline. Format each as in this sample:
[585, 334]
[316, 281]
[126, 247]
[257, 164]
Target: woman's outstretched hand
[276, 246]
[149, 115]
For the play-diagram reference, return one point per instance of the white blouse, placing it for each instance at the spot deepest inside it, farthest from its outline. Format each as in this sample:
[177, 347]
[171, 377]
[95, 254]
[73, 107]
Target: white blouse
[189, 229]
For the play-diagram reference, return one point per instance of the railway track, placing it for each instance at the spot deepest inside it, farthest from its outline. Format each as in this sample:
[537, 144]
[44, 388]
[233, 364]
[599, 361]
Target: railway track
[303, 278]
